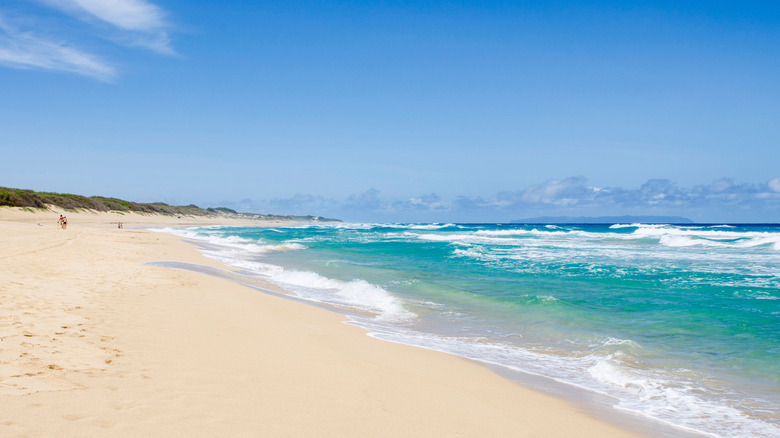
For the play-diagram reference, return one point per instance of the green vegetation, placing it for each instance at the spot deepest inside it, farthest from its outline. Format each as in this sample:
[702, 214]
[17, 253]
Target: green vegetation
[28, 199]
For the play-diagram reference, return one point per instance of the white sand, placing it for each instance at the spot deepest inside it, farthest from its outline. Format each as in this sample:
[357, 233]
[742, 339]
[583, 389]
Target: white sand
[95, 343]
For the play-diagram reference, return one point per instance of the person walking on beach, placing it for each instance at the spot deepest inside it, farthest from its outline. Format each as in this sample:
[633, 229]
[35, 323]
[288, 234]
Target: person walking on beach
[64, 222]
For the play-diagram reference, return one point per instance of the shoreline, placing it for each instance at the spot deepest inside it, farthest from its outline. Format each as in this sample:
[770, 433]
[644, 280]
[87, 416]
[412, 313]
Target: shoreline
[97, 342]
[594, 404]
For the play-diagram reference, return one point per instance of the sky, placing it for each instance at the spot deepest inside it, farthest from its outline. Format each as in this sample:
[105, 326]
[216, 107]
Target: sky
[431, 111]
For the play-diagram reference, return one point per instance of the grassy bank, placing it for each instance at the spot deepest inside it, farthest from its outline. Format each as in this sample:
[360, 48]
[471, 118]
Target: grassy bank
[31, 199]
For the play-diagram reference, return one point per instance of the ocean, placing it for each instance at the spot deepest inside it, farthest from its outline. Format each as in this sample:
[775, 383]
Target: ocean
[675, 323]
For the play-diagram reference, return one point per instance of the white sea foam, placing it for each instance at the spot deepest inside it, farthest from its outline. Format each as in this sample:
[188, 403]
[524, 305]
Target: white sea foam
[640, 390]
[430, 226]
[537, 233]
[679, 401]
[466, 239]
[355, 294]
[611, 342]
[369, 226]
[676, 236]
[615, 256]
[682, 405]
[616, 226]
[608, 365]
[579, 239]
[511, 232]
[474, 253]
[678, 241]
[667, 235]
[234, 242]
[358, 294]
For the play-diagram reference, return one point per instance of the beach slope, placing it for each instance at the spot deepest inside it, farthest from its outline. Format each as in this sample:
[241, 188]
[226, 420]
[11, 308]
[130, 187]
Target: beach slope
[96, 343]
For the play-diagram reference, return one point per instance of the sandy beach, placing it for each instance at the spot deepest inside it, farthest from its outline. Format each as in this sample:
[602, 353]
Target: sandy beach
[96, 343]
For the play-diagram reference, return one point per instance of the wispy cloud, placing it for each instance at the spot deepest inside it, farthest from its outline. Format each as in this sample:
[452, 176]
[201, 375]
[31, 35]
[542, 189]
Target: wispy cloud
[368, 200]
[427, 202]
[28, 51]
[30, 42]
[774, 185]
[300, 203]
[139, 22]
[371, 200]
[127, 14]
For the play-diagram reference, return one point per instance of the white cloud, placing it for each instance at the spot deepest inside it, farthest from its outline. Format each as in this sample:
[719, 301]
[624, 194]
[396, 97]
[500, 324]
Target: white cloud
[559, 192]
[574, 195]
[774, 185]
[299, 202]
[136, 15]
[31, 45]
[141, 23]
[721, 199]
[26, 50]
[368, 200]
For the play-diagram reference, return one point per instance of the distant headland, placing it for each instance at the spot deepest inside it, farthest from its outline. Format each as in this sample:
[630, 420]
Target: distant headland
[42, 200]
[604, 220]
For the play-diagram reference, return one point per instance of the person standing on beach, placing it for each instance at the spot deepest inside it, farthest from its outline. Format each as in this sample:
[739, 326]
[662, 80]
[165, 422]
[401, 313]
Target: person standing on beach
[64, 222]
[61, 221]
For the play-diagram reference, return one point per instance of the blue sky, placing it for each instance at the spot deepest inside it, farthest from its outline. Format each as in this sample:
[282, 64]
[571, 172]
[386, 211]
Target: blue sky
[398, 111]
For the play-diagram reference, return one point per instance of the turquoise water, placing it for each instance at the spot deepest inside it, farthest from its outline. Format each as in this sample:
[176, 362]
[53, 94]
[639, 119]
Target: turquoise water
[677, 323]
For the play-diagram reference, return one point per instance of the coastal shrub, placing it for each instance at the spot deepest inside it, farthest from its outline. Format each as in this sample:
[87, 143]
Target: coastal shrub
[223, 210]
[8, 198]
[70, 202]
[114, 204]
[20, 198]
